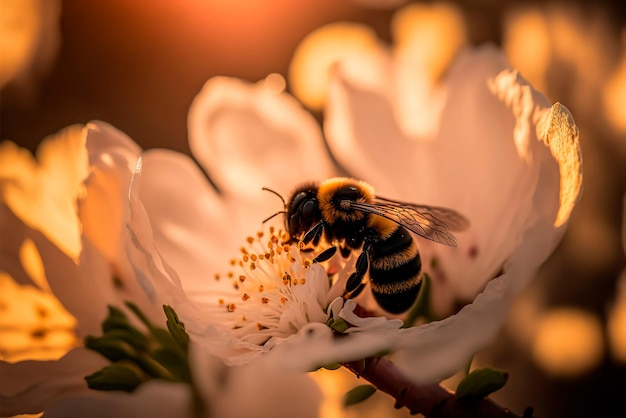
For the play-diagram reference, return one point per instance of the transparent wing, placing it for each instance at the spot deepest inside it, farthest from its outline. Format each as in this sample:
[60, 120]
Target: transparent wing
[430, 222]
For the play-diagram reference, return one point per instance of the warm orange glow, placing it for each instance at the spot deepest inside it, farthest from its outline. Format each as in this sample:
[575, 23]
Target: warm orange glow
[32, 264]
[20, 23]
[33, 323]
[43, 193]
[569, 342]
[526, 43]
[616, 326]
[429, 35]
[319, 51]
[614, 96]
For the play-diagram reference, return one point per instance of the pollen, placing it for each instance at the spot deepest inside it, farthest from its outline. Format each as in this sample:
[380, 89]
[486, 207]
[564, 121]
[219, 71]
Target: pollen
[286, 248]
[283, 300]
[274, 239]
[242, 278]
[286, 279]
[272, 229]
[253, 257]
[260, 288]
[265, 301]
[245, 258]
[259, 234]
[230, 307]
[252, 266]
[307, 263]
[302, 281]
[245, 297]
[250, 240]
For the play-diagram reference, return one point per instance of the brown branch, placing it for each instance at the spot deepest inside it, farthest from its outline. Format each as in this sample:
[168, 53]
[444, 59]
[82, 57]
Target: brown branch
[431, 400]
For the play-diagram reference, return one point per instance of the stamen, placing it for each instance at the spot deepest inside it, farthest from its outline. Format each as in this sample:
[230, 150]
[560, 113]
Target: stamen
[250, 240]
[245, 297]
[260, 288]
[242, 278]
[265, 300]
[231, 307]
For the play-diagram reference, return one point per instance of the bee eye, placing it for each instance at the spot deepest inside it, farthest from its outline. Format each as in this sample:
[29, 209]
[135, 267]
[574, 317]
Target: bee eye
[308, 208]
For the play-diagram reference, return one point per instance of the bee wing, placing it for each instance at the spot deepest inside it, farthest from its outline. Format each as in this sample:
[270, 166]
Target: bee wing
[430, 222]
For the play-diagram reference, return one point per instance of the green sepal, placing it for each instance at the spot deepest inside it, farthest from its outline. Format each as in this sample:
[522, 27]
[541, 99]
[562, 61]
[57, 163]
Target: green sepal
[358, 394]
[175, 363]
[122, 375]
[339, 325]
[176, 328]
[110, 347]
[481, 383]
[332, 366]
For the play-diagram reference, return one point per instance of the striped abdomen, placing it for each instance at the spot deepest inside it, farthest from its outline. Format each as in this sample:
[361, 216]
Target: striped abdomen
[394, 271]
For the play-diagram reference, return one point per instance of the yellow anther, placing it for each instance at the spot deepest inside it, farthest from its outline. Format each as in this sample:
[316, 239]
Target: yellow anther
[230, 307]
[220, 301]
[250, 240]
[252, 266]
[265, 300]
[217, 276]
[302, 281]
[259, 234]
[245, 297]
[260, 288]
[242, 278]
[283, 300]
[253, 257]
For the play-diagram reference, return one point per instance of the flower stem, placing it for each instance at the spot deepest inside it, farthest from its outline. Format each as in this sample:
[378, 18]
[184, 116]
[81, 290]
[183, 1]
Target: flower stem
[431, 400]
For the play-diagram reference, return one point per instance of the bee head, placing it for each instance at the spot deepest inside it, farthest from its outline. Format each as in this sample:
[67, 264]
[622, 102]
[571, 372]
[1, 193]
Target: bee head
[303, 210]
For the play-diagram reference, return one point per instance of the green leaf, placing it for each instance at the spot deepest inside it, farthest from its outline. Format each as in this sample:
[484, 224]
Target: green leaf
[481, 383]
[358, 394]
[124, 376]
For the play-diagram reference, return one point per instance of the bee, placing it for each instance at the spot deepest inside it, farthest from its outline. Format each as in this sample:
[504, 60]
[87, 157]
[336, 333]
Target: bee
[349, 215]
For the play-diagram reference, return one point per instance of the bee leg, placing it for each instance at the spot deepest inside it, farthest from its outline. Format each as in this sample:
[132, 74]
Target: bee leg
[314, 234]
[354, 284]
[325, 255]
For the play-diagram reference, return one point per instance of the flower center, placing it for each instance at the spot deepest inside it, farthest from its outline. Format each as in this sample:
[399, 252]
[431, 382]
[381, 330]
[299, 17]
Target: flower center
[276, 289]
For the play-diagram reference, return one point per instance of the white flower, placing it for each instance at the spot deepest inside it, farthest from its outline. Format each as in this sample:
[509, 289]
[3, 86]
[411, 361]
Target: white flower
[492, 149]
[67, 211]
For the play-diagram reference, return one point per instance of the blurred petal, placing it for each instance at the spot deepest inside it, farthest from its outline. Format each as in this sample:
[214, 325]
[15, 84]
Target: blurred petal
[43, 192]
[257, 389]
[152, 399]
[33, 386]
[247, 137]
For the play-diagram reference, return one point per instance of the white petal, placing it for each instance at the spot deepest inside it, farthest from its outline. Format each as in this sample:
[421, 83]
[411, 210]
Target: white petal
[247, 137]
[188, 218]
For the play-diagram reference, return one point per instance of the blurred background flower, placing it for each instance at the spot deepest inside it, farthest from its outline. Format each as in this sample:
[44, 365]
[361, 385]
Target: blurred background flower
[138, 65]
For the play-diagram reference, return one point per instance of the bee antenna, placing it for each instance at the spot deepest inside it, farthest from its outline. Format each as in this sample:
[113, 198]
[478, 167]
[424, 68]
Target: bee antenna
[281, 198]
[271, 216]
